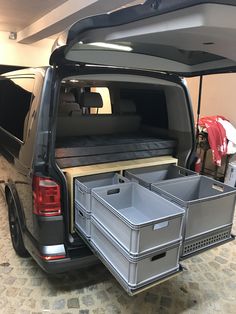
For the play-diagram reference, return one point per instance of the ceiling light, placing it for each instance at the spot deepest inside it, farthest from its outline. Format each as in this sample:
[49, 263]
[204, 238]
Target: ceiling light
[74, 81]
[111, 46]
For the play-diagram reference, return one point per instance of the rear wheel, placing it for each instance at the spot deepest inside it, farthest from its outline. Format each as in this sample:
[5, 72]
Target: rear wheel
[15, 231]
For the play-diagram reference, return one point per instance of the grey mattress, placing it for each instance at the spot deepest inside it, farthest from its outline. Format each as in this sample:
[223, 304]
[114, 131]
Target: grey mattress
[88, 150]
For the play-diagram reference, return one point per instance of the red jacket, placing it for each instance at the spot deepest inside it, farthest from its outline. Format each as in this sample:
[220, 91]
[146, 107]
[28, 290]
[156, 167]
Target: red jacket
[216, 137]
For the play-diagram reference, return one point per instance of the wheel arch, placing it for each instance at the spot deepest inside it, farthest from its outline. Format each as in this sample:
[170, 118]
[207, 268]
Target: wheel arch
[10, 190]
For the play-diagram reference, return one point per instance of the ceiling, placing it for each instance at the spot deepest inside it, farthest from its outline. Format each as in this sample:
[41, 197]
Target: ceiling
[34, 20]
[17, 14]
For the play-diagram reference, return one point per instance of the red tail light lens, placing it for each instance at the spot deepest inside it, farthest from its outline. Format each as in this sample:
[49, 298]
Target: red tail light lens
[47, 197]
[52, 257]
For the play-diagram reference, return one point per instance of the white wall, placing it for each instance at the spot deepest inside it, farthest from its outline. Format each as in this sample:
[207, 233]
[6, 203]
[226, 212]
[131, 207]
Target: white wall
[13, 53]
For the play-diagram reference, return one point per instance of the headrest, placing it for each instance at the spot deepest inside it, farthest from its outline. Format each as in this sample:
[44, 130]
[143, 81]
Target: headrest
[91, 100]
[127, 106]
[67, 97]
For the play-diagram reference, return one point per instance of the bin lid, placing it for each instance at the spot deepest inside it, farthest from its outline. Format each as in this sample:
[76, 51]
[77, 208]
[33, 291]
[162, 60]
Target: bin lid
[184, 37]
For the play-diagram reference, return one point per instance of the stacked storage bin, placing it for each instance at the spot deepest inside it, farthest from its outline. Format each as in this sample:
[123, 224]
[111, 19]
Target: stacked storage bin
[83, 188]
[149, 175]
[135, 227]
[137, 233]
[208, 204]
[134, 231]
[209, 210]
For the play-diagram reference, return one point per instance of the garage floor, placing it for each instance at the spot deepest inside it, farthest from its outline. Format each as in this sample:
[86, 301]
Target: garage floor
[208, 285]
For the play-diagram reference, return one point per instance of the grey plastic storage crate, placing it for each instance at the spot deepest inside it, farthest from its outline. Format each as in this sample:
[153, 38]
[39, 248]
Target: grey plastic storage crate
[139, 219]
[84, 185]
[209, 204]
[148, 175]
[82, 220]
[138, 271]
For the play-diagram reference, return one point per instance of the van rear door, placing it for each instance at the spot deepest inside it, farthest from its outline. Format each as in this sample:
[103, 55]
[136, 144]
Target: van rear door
[185, 37]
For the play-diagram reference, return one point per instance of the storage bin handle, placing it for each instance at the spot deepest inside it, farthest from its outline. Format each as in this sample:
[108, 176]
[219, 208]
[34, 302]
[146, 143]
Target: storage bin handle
[81, 214]
[158, 256]
[81, 191]
[122, 179]
[218, 187]
[161, 225]
[113, 191]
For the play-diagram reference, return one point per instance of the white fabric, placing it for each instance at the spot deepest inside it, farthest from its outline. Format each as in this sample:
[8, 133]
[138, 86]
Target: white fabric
[231, 148]
[230, 134]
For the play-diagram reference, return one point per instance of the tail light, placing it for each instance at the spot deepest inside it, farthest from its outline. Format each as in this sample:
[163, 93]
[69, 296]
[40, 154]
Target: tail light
[52, 257]
[47, 197]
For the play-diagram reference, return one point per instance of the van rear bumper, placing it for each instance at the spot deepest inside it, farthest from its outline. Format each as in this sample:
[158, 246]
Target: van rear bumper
[66, 264]
[80, 257]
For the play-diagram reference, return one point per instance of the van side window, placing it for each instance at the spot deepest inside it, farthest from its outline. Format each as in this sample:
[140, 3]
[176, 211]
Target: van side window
[150, 104]
[15, 100]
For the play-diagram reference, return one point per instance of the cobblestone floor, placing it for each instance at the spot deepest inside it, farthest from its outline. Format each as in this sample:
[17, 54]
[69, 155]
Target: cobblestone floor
[208, 285]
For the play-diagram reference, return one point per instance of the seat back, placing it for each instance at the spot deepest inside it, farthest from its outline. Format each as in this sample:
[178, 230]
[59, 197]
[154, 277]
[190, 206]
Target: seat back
[91, 100]
[68, 106]
[97, 124]
[90, 124]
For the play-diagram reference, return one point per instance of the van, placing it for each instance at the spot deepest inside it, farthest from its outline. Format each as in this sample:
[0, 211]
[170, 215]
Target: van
[78, 135]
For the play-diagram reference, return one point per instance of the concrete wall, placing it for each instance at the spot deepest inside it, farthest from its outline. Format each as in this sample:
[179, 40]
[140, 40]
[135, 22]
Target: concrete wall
[13, 53]
[218, 95]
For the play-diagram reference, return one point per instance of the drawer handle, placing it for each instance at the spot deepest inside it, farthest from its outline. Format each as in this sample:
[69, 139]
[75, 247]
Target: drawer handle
[113, 191]
[81, 214]
[159, 256]
[161, 225]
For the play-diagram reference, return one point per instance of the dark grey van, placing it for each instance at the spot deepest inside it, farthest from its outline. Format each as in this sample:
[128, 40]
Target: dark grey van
[52, 119]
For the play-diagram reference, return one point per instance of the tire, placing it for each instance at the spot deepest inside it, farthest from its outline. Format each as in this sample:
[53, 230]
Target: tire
[15, 231]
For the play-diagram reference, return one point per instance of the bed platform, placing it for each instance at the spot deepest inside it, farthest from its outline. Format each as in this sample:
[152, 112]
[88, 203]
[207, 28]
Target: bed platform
[88, 150]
